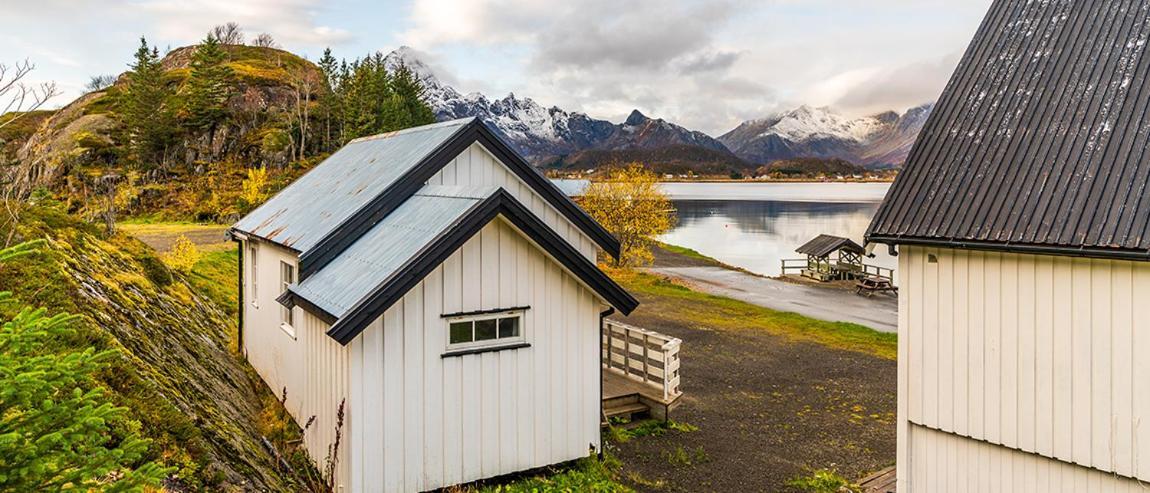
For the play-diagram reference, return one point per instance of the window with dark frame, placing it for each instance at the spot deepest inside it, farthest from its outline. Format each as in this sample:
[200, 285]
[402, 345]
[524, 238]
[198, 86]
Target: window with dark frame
[287, 277]
[486, 330]
[254, 284]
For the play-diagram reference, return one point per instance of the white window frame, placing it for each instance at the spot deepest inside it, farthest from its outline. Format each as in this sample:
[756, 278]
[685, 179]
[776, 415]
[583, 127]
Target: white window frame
[287, 315]
[498, 342]
[253, 271]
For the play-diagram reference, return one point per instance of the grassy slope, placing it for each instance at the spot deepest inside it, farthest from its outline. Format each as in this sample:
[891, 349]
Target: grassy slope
[184, 388]
[674, 300]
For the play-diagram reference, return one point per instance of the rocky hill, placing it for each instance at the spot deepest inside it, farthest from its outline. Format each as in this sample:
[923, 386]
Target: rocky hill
[811, 168]
[176, 370]
[877, 141]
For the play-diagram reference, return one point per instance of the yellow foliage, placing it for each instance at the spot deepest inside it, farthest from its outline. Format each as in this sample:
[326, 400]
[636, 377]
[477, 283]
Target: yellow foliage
[631, 206]
[254, 186]
[183, 256]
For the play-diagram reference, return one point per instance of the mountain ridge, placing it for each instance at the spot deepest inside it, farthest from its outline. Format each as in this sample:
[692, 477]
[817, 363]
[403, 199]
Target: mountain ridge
[554, 137]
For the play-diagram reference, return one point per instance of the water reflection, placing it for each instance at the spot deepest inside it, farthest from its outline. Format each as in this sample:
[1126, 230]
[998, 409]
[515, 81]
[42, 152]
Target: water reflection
[756, 235]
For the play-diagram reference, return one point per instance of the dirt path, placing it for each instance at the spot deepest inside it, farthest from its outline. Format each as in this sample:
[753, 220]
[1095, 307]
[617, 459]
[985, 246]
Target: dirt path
[161, 236]
[879, 312]
[768, 410]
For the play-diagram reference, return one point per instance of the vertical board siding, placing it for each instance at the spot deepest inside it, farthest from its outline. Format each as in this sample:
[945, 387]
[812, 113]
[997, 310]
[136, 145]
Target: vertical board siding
[311, 368]
[476, 166]
[983, 467]
[1031, 359]
[444, 421]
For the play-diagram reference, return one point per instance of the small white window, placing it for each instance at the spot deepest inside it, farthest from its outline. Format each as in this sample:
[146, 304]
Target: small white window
[252, 262]
[485, 330]
[287, 277]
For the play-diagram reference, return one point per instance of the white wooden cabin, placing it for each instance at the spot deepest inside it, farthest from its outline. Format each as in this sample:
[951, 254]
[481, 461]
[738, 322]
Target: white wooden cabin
[447, 292]
[1022, 222]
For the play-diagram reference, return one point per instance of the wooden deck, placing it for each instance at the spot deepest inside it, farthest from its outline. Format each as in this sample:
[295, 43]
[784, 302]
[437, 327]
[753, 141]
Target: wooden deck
[880, 482]
[623, 396]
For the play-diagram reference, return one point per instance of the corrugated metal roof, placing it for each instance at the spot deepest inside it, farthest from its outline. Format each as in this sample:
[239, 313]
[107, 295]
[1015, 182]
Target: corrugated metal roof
[1039, 140]
[388, 246]
[319, 201]
[571, 188]
[823, 245]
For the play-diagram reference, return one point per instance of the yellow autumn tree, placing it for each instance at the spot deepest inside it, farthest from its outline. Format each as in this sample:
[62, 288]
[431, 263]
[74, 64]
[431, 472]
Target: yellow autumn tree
[254, 186]
[183, 256]
[631, 206]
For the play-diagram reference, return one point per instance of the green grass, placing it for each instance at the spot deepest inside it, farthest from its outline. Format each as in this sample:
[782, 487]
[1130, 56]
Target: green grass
[687, 252]
[215, 276]
[589, 474]
[673, 301]
[823, 481]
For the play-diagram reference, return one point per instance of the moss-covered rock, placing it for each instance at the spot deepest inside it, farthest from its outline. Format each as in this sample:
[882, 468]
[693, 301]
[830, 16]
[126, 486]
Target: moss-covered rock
[190, 393]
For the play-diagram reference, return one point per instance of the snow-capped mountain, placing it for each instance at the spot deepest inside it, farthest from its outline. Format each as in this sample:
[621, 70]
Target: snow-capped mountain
[543, 134]
[876, 141]
[551, 135]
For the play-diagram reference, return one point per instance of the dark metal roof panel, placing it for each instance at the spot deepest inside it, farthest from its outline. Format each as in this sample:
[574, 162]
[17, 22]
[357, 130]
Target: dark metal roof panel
[388, 246]
[823, 245]
[314, 205]
[1040, 137]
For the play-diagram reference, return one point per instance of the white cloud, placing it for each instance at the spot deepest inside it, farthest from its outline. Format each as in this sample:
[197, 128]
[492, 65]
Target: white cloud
[289, 21]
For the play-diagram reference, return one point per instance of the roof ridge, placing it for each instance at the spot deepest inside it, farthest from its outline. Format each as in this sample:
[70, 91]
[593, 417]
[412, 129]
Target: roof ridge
[422, 128]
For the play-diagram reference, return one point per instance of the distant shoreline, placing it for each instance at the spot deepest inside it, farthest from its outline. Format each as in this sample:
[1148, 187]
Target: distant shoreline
[721, 180]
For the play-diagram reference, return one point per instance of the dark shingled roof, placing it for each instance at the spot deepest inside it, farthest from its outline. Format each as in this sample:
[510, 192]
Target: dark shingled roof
[823, 245]
[1039, 142]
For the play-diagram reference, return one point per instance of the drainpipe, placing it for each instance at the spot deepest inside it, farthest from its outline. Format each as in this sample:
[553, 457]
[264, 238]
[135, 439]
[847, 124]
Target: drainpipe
[599, 361]
[239, 239]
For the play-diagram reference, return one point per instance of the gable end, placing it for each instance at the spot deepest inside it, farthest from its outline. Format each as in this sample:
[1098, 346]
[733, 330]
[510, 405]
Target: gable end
[500, 203]
[363, 220]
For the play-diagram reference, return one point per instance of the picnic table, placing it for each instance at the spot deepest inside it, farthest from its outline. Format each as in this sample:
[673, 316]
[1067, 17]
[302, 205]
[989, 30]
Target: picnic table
[868, 286]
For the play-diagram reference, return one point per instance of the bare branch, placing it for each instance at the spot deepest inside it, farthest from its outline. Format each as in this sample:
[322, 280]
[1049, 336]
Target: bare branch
[19, 97]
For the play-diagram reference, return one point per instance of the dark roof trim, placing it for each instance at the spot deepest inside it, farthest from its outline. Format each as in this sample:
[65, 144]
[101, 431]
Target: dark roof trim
[1021, 248]
[290, 299]
[328, 248]
[415, 270]
[485, 312]
[823, 245]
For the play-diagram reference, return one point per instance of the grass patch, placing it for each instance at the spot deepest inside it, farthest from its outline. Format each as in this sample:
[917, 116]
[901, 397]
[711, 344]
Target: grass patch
[823, 481]
[215, 276]
[589, 474]
[671, 300]
[654, 427]
[686, 252]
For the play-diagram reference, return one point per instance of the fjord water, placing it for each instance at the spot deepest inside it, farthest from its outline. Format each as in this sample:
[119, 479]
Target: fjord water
[754, 225]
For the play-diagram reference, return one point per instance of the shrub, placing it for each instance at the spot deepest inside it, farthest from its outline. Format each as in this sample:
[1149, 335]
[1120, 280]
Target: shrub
[183, 256]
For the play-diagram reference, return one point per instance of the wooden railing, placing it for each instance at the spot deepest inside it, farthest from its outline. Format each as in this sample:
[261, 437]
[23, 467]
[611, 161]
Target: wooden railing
[643, 355]
[795, 264]
[879, 272]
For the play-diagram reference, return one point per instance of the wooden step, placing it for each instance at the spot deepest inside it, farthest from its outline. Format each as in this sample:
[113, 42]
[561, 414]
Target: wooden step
[625, 410]
[620, 400]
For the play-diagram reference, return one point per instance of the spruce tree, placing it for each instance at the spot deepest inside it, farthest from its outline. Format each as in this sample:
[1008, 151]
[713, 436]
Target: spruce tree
[146, 110]
[55, 421]
[208, 87]
[407, 107]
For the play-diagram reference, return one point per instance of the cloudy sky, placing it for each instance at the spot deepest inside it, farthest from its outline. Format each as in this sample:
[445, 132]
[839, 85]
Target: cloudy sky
[705, 64]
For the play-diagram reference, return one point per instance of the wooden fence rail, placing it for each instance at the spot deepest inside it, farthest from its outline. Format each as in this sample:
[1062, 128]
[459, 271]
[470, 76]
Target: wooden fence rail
[643, 355]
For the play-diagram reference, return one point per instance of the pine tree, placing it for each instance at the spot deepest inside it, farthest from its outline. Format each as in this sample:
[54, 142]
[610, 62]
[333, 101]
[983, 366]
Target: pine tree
[208, 88]
[407, 107]
[55, 421]
[329, 101]
[146, 111]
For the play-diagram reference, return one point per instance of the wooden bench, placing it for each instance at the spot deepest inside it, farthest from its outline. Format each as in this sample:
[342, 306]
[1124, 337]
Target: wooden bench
[868, 286]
